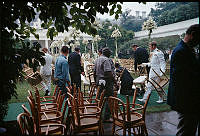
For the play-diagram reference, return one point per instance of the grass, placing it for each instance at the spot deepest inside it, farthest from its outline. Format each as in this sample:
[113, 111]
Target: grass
[23, 87]
[22, 91]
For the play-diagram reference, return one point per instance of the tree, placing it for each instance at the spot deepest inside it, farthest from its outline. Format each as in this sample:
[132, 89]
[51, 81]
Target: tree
[172, 12]
[130, 22]
[16, 17]
[163, 43]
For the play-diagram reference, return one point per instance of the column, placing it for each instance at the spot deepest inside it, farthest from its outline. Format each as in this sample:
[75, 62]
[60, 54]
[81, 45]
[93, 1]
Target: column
[46, 44]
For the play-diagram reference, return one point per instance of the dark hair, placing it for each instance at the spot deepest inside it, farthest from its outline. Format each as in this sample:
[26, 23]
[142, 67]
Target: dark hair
[193, 28]
[153, 43]
[100, 50]
[77, 49]
[117, 65]
[64, 49]
[36, 44]
[134, 45]
[106, 52]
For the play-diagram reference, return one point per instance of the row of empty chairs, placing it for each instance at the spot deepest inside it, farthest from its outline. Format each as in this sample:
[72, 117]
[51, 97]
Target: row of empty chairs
[45, 117]
[84, 113]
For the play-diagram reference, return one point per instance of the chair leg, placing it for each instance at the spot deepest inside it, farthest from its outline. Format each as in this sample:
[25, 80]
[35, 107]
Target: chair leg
[84, 89]
[124, 131]
[113, 128]
[145, 130]
[101, 129]
[129, 131]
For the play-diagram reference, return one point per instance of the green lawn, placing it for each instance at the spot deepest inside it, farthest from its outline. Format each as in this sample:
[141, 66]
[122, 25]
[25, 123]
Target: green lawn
[22, 91]
[23, 87]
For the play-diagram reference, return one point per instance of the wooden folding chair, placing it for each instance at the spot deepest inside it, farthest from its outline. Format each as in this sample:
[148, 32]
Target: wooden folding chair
[26, 125]
[48, 122]
[128, 116]
[84, 123]
[51, 98]
[160, 84]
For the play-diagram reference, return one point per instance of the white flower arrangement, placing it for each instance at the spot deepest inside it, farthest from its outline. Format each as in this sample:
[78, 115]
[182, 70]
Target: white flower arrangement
[96, 38]
[56, 43]
[75, 33]
[149, 24]
[85, 41]
[77, 43]
[116, 33]
[66, 39]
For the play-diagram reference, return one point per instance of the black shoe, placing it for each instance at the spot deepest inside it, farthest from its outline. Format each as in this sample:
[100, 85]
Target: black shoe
[46, 93]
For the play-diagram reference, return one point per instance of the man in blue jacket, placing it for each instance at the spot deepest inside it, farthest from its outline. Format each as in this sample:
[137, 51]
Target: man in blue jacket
[184, 88]
[62, 70]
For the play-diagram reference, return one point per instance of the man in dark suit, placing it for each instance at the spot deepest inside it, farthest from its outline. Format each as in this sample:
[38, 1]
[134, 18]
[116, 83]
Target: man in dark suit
[184, 89]
[140, 55]
[75, 68]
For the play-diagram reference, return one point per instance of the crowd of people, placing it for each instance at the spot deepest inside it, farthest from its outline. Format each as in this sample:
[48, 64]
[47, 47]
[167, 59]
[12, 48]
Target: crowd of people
[183, 92]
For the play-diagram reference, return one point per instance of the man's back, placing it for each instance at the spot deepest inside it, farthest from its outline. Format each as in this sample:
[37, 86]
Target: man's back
[141, 56]
[74, 61]
[61, 68]
[184, 79]
[98, 68]
[46, 69]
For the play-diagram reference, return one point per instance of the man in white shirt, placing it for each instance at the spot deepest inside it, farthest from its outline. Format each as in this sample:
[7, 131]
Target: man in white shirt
[157, 62]
[46, 72]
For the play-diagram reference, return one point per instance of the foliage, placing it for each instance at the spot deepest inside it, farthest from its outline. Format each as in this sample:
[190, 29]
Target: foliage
[16, 17]
[130, 22]
[106, 40]
[172, 12]
[163, 43]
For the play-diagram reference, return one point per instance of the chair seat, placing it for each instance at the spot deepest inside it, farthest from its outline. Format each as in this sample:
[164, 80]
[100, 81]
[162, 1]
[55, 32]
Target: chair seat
[45, 107]
[139, 80]
[162, 83]
[53, 129]
[135, 117]
[48, 98]
[89, 121]
[50, 115]
[91, 110]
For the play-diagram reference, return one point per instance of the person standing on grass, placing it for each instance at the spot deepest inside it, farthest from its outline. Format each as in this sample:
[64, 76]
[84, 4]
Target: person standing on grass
[157, 62]
[61, 74]
[46, 72]
[184, 89]
[75, 68]
[140, 56]
[105, 77]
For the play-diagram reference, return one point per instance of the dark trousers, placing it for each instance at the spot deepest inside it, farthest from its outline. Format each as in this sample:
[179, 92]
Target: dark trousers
[62, 86]
[108, 92]
[188, 124]
[75, 79]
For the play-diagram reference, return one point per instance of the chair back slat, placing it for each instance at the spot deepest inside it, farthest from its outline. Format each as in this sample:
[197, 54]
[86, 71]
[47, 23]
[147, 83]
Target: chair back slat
[26, 110]
[115, 105]
[25, 123]
[128, 108]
